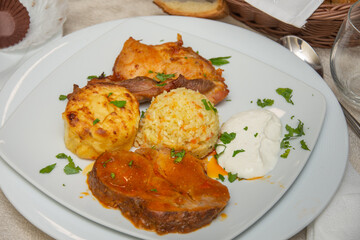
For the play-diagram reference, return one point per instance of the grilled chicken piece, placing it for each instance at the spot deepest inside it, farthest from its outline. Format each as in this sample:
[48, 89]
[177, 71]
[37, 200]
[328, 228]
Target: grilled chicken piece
[151, 189]
[137, 59]
[145, 88]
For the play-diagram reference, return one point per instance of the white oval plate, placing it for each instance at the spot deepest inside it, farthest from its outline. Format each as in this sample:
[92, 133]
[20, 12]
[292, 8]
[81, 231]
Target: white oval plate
[208, 49]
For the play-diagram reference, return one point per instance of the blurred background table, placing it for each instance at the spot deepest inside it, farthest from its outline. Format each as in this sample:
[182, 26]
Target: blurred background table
[84, 13]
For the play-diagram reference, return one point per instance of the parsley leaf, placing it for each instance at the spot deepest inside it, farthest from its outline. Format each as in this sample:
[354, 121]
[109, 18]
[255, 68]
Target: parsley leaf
[153, 190]
[232, 177]
[112, 175]
[70, 168]
[104, 164]
[303, 145]
[96, 121]
[61, 156]
[102, 75]
[217, 155]
[130, 163]
[285, 154]
[208, 105]
[163, 77]
[221, 177]
[265, 102]
[286, 93]
[48, 169]
[62, 97]
[219, 61]
[142, 114]
[119, 104]
[237, 151]
[226, 138]
[179, 155]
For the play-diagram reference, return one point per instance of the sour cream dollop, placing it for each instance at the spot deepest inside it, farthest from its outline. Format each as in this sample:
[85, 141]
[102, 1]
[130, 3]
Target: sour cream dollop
[257, 143]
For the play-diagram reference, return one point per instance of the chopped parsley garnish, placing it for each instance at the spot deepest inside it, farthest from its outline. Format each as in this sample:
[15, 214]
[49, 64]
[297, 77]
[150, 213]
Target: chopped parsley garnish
[226, 138]
[285, 154]
[237, 151]
[142, 114]
[232, 177]
[62, 97]
[265, 102]
[112, 175]
[151, 71]
[163, 77]
[102, 75]
[130, 163]
[119, 104]
[153, 190]
[179, 155]
[295, 132]
[217, 155]
[292, 117]
[110, 93]
[104, 164]
[256, 134]
[70, 168]
[246, 128]
[303, 145]
[219, 61]
[161, 84]
[286, 93]
[285, 143]
[228, 100]
[208, 105]
[96, 121]
[48, 169]
[61, 156]
[221, 177]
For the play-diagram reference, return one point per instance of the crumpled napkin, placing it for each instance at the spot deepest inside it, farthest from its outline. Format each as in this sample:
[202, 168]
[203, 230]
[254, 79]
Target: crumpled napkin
[292, 12]
[341, 218]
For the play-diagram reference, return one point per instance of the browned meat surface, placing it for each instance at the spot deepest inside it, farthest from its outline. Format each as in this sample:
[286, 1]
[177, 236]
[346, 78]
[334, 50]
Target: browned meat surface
[155, 193]
[145, 88]
[138, 59]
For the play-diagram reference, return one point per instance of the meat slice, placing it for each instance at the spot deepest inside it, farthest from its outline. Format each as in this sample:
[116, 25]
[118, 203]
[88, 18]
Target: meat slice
[145, 88]
[156, 193]
[138, 59]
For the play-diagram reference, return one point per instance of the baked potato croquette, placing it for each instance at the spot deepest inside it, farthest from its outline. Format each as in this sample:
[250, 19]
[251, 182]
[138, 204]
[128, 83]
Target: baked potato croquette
[95, 122]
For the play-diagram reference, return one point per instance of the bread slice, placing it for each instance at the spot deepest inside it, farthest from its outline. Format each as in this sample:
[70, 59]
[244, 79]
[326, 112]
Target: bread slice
[194, 8]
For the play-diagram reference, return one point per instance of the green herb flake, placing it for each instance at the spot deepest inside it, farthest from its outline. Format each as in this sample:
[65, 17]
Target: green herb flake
[217, 155]
[237, 151]
[119, 104]
[246, 128]
[221, 177]
[228, 100]
[265, 102]
[64, 185]
[285, 143]
[62, 97]
[219, 61]
[151, 71]
[303, 145]
[70, 168]
[256, 134]
[161, 84]
[104, 163]
[292, 117]
[208, 105]
[110, 93]
[179, 155]
[142, 114]
[286, 93]
[226, 138]
[102, 75]
[112, 175]
[48, 169]
[295, 132]
[232, 177]
[61, 156]
[96, 121]
[186, 57]
[153, 190]
[285, 154]
[130, 163]
[163, 77]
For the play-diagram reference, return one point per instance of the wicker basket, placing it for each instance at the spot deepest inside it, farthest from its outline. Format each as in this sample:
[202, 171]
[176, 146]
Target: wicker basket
[320, 30]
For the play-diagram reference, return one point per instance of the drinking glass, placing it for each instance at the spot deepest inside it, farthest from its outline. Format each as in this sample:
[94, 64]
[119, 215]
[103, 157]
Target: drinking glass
[345, 56]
